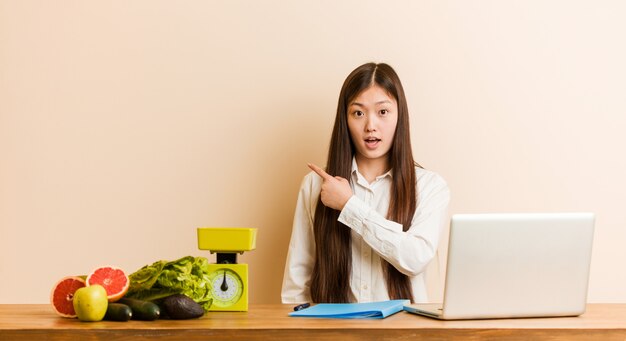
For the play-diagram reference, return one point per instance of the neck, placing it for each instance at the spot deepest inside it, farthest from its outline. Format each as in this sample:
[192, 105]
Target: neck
[371, 168]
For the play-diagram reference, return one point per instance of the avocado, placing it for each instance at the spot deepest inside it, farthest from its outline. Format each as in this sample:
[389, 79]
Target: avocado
[181, 307]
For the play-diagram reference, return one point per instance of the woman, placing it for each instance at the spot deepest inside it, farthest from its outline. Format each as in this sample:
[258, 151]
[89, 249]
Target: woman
[366, 228]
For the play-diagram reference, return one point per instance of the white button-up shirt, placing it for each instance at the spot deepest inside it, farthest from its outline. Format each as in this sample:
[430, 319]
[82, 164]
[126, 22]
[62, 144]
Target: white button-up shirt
[373, 236]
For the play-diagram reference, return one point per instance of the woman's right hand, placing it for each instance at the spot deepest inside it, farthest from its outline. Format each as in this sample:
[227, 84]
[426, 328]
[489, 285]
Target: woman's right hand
[336, 190]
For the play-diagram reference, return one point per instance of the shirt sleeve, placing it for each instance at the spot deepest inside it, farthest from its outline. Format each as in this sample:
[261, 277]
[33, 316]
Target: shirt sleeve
[410, 251]
[301, 252]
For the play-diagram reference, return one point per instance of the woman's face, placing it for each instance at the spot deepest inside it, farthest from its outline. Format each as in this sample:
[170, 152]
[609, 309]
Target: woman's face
[372, 120]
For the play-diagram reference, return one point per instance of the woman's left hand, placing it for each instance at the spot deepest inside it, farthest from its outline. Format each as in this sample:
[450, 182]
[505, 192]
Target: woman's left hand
[336, 190]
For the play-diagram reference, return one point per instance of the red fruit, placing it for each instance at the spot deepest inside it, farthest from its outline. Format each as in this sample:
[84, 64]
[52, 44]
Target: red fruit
[62, 295]
[113, 279]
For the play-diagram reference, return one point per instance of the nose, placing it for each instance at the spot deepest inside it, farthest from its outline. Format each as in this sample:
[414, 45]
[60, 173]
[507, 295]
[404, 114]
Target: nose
[370, 124]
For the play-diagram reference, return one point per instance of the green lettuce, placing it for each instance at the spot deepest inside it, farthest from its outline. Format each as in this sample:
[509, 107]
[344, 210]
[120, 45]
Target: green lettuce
[187, 276]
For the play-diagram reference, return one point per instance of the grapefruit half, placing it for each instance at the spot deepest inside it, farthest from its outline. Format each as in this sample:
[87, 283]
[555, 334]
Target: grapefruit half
[62, 295]
[113, 279]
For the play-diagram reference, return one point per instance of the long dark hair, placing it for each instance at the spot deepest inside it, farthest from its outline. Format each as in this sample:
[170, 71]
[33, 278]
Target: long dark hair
[330, 280]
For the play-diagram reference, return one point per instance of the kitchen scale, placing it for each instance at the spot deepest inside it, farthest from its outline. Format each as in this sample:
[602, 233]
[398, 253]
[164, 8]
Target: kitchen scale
[228, 279]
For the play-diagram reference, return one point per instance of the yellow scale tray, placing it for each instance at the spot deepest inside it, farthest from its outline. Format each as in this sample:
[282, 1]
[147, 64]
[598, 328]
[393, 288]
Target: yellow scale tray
[227, 239]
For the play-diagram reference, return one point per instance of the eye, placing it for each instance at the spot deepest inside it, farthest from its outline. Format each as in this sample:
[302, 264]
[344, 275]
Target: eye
[358, 113]
[384, 112]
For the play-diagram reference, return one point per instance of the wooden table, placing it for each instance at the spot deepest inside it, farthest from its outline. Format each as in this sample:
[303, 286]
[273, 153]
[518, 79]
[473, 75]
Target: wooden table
[270, 322]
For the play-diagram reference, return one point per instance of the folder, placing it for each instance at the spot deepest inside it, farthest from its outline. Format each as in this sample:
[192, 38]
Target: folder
[370, 310]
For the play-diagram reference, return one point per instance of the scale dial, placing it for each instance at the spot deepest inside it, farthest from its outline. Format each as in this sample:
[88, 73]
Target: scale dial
[226, 287]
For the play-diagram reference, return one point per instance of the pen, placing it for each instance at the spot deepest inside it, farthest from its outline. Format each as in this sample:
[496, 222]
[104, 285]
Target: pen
[301, 306]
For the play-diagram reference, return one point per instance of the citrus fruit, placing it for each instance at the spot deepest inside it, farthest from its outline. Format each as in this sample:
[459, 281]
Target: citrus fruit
[62, 295]
[113, 279]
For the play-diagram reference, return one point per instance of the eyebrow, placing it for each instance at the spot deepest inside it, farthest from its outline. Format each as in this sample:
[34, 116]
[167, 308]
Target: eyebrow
[362, 105]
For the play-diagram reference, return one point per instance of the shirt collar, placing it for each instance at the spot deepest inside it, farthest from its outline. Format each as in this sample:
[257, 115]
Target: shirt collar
[359, 177]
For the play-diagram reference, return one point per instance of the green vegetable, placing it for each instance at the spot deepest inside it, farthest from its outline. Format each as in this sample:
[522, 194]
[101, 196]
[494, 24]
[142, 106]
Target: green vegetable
[118, 312]
[142, 310]
[187, 276]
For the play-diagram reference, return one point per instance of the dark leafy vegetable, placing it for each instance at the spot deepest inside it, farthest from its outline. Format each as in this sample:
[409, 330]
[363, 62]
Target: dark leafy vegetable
[187, 276]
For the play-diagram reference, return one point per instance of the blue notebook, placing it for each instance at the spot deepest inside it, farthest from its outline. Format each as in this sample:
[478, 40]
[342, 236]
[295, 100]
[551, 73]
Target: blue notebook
[371, 310]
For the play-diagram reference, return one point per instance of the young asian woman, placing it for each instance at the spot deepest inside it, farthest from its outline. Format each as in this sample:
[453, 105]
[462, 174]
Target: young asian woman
[367, 226]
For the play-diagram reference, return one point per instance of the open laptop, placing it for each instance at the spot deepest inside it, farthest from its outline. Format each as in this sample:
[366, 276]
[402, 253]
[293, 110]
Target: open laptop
[515, 265]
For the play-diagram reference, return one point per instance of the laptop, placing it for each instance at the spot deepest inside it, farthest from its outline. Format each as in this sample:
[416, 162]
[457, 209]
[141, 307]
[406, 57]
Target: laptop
[512, 265]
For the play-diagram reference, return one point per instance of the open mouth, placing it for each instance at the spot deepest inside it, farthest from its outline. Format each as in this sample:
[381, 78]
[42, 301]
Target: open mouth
[371, 142]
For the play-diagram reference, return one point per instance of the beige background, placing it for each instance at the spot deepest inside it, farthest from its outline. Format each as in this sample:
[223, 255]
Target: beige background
[124, 125]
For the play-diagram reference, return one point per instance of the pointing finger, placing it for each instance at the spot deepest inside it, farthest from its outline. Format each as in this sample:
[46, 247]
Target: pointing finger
[319, 171]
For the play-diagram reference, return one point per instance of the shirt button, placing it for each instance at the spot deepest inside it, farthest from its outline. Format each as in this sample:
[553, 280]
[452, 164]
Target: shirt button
[365, 287]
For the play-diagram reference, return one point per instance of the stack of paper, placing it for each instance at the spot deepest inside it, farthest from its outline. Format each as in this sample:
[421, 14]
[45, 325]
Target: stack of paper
[376, 310]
